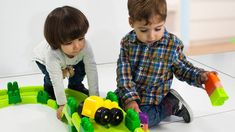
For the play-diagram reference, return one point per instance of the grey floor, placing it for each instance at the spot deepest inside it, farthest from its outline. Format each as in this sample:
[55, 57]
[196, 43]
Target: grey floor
[37, 118]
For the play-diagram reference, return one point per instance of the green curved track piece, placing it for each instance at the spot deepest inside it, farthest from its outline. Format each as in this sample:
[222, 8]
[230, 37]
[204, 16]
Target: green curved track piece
[37, 95]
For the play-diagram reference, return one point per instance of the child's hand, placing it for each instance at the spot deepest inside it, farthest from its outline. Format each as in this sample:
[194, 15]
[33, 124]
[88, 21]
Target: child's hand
[133, 105]
[204, 76]
[59, 112]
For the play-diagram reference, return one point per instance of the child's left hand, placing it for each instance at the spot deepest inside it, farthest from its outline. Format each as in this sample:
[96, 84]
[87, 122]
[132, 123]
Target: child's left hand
[204, 76]
[59, 111]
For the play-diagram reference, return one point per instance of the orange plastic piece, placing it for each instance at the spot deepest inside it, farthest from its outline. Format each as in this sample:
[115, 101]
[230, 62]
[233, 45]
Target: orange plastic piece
[212, 83]
[215, 90]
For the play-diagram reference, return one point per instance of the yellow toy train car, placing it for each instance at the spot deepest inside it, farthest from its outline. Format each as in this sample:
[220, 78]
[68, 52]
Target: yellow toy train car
[103, 111]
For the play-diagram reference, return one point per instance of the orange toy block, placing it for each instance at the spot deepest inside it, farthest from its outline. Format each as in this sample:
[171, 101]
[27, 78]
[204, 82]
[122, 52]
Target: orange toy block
[212, 83]
[215, 90]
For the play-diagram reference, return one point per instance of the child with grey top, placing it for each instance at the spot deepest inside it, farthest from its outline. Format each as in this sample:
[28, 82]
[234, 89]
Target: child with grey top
[66, 53]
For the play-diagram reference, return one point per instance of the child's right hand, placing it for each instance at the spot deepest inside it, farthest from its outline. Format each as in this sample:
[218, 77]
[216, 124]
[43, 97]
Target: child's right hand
[133, 105]
[204, 76]
[59, 112]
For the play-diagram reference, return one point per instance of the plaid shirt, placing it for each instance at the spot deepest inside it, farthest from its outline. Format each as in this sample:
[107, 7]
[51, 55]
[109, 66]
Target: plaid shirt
[145, 72]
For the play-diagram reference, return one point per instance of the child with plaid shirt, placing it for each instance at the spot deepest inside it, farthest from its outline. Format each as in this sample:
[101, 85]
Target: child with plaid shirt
[148, 59]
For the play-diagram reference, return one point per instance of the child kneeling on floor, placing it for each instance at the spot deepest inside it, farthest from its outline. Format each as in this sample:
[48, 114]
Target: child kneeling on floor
[66, 53]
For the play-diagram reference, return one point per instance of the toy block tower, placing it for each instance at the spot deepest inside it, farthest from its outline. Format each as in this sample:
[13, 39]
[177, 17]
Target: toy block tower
[215, 90]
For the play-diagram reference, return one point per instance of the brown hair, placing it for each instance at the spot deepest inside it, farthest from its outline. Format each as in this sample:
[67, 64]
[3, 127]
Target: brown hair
[145, 9]
[64, 24]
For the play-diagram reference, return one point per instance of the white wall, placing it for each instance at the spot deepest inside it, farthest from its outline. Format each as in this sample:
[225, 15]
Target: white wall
[21, 29]
[21, 24]
[211, 21]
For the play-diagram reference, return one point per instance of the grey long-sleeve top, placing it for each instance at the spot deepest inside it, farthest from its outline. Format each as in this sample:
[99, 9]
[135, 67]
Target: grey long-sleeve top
[56, 60]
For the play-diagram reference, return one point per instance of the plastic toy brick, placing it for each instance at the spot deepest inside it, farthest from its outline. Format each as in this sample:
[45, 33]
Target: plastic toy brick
[86, 125]
[65, 115]
[132, 120]
[42, 97]
[13, 93]
[215, 90]
[144, 121]
[112, 96]
[76, 118]
[143, 118]
[69, 113]
[218, 97]
[69, 109]
[52, 103]
[72, 103]
[12, 86]
[72, 128]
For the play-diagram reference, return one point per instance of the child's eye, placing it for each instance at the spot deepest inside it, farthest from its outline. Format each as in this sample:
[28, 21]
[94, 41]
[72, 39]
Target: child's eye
[81, 38]
[143, 30]
[68, 43]
[157, 29]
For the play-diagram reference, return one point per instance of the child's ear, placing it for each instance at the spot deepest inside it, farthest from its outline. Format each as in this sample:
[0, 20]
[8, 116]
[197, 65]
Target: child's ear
[131, 22]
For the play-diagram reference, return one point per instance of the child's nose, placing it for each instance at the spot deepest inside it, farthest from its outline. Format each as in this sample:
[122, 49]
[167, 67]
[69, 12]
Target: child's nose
[76, 45]
[151, 36]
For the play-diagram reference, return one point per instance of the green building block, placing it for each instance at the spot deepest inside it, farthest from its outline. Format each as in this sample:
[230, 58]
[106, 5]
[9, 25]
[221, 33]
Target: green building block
[65, 116]
[68, 110]
[72, 106]
[42, 97]
[86, 125]
[52, 103]
[218, 97]
[132, 120]
[112, 96]
[76, 119]
[13, 93]
[72, 128]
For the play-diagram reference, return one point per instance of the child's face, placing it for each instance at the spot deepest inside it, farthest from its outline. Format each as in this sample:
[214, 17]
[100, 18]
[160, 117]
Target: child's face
[149, 33]
[72, 48]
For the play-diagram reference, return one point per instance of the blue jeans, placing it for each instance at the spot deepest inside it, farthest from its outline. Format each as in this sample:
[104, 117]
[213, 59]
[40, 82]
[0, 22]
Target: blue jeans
[156, 113]
[75, 82]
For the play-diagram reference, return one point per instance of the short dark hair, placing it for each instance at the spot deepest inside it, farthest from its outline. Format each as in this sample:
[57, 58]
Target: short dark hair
[64, 24]
[145, 9]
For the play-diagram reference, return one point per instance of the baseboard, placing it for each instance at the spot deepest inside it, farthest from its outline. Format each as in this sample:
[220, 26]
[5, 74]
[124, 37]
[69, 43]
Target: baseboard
[199, 49]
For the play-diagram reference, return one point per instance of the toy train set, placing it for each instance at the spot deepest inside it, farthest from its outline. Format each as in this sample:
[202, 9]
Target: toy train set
[81, 113]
